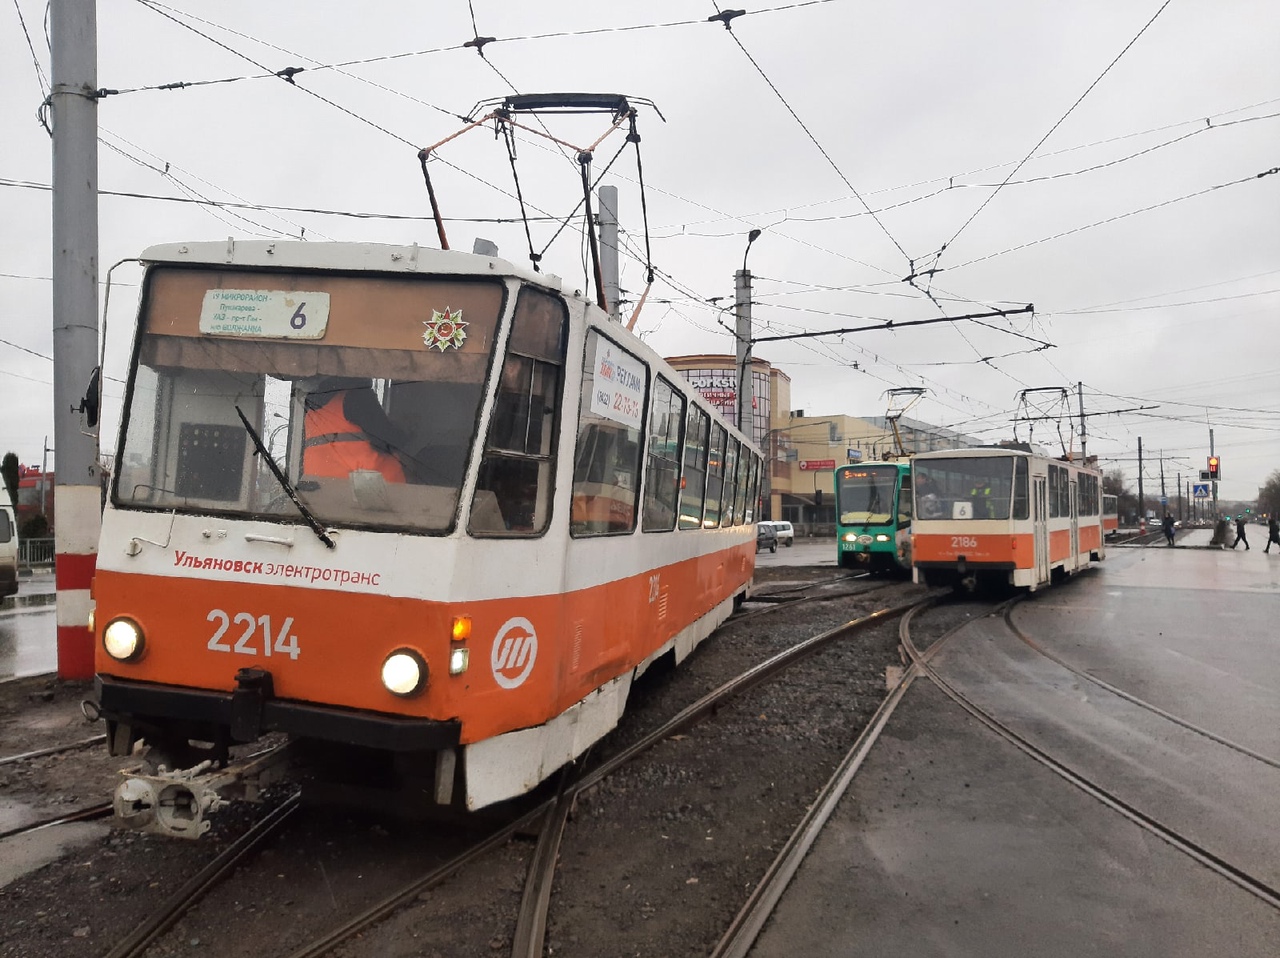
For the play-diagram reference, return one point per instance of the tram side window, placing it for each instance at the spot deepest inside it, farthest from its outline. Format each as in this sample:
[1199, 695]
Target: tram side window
[694, 482]
[753, 488]
[715, 477]
[513, 489]
[904, 500]
[1021, 500]
[727, 515]
[606, 468]
[740, 498]
[1056, 477]
[1087, 494]
[662, 475]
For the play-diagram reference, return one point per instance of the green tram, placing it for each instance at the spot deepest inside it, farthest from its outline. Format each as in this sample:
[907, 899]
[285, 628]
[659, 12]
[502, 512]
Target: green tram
[873, 516]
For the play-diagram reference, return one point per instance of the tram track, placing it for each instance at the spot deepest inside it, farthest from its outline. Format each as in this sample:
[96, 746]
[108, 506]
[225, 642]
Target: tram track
[746, 926]
[52, 750]
[1238, 876]
[88, 814]
[547, 819]
[1130, 697]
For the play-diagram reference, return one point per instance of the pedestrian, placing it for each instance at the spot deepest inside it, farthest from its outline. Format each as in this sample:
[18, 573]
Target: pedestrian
[1240, 537]
[1273, 533]
[1167, 525]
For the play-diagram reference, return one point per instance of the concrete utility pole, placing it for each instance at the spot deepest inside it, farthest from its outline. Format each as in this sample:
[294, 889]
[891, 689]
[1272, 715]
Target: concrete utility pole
[1084, 433]
[76, 495]
[1142, 502]
[742, 300]
[742, 331]
[609, 247]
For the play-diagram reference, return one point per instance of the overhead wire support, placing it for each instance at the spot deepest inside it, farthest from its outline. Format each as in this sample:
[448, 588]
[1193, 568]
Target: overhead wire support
[890, 325]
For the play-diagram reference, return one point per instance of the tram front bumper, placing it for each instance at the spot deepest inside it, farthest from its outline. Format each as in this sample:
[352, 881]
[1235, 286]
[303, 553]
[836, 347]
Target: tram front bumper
[252, 713]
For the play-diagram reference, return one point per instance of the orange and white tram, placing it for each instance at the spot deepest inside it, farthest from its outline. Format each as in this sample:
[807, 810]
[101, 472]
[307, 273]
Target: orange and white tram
[1003, 516]
[421, 511]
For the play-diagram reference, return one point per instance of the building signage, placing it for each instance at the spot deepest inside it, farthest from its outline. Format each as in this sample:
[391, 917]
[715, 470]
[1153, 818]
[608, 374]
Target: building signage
[855, 455]
[810, 465]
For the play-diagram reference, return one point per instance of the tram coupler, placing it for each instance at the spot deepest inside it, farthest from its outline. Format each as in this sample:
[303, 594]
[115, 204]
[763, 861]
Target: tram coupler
[178, 803]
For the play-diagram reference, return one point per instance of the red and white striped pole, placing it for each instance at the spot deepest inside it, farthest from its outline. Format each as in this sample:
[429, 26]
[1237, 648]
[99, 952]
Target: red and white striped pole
[76, 494]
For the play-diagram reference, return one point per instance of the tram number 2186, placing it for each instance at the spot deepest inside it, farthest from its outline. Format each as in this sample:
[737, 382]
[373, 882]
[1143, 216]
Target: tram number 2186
[255, 633]
[964, 542]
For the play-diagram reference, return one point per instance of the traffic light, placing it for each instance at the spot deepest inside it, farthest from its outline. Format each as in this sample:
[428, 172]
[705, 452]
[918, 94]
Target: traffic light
[1213, 468]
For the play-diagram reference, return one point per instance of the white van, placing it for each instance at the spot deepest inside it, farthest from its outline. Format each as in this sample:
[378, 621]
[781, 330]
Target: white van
[8, 550]
[786, 534]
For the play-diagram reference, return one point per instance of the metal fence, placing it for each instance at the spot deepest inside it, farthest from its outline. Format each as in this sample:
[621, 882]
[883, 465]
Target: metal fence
[33, 552]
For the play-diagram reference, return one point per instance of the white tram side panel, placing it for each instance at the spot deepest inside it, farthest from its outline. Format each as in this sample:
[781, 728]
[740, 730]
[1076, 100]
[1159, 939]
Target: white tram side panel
[1003, 516]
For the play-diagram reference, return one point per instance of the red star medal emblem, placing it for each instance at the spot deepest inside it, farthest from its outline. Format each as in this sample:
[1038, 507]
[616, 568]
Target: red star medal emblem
[445, 329]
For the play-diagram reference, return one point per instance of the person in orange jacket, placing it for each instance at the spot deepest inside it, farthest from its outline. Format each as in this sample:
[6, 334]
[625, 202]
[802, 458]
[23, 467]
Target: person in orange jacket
[346, 429]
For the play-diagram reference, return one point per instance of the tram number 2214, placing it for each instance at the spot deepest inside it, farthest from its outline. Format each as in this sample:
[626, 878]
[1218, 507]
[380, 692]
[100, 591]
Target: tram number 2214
[964, 542]
[255, 635]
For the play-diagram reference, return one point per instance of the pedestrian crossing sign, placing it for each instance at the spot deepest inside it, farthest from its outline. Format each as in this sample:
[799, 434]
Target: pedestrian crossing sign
[1200, 490]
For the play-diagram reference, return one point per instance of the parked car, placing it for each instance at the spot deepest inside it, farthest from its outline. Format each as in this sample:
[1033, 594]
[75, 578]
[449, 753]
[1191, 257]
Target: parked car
[766, 537]
[786, 534]
[9, 551]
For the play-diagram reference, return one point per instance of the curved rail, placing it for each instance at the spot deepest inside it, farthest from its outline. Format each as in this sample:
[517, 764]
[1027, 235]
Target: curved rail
[1220, 866]
[1130, 697]
[746, 926]
[88, 814]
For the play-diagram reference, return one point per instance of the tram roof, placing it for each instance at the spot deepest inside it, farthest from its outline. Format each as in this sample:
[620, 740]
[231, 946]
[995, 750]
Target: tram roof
[374, 257]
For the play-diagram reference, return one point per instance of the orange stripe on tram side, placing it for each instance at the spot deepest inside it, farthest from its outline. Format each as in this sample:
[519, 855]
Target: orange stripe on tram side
[1016, 548]
[531, 657]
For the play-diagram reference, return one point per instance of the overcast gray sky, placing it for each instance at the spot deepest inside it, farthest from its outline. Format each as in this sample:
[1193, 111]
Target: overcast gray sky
[1138, 225]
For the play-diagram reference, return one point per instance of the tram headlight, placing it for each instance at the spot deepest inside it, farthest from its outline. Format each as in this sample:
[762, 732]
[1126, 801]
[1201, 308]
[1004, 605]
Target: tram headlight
[404, 673]
[850, 537]
[882, 537]
[123, 640]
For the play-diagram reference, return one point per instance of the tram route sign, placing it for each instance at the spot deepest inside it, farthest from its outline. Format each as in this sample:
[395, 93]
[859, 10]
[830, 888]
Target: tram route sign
[1200, 490]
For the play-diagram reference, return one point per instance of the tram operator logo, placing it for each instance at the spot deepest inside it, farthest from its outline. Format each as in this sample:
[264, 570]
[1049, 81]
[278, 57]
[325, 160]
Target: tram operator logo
[515, 649]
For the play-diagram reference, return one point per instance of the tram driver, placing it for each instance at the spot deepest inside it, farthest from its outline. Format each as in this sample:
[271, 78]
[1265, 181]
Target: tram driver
[347, 430]
[980, 496]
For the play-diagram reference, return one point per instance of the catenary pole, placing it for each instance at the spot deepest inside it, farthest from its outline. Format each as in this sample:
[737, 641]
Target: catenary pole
[742, 303]
[1142, 502]
[1084, 432]
[76, 495]
[609, 247]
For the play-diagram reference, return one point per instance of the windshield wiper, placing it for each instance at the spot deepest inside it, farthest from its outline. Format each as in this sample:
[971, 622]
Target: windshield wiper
[285, 484]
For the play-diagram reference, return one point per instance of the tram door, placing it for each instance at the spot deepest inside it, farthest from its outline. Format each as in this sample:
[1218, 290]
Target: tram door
[1074, 560]
[1041, 530]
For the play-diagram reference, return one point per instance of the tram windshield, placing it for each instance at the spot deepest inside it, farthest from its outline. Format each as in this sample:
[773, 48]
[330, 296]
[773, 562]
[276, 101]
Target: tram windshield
[963, 488]
[365, 390]
[866, 494]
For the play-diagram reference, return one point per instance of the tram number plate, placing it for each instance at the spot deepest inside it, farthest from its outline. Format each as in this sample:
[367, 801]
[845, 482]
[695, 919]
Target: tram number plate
[255, 635]
[964, 542]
